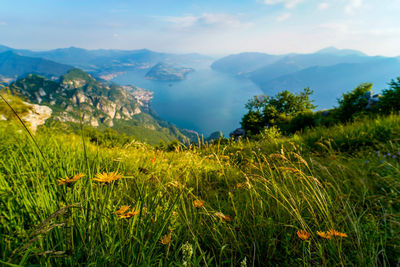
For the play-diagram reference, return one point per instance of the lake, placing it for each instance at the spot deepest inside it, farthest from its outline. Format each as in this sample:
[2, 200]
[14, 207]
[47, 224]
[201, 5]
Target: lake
[207, 101]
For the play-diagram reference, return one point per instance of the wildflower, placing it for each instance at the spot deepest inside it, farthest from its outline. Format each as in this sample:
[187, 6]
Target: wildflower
[129, 214]
[243, 263]
[367, 161]
[335, 233]
[187, 251]
[166, 239]
[331, 233]
[223, 216]
[105, 178]
[70, 180]
[325, 235]
[153, 160]
[383, 161]
[122, 210]
[303, 235]
[198, 203]
[333, 157]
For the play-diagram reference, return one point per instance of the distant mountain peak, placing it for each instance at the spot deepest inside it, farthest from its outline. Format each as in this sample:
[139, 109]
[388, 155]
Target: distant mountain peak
[340, 52]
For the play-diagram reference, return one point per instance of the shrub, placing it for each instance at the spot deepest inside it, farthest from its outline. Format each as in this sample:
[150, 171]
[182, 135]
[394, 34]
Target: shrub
[354, 102]
[390, 100]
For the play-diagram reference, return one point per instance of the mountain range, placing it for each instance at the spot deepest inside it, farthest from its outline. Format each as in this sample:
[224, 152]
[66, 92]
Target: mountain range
[77, 95]
[13, 65]
[109, 63]
[328, 72]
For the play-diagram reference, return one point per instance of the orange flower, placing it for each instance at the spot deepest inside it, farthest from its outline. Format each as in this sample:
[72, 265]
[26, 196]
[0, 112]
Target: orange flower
[166, 239]
[67, 180]
[325, 235]
[122, 210]
[303, 235]
[153, 160]
[331, 233]
[105, 178]
[129, 214]
[198, 203]
[335, 233]
[223, 216]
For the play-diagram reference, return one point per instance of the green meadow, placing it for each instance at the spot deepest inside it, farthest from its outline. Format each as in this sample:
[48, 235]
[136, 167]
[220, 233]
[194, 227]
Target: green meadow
[325, 197]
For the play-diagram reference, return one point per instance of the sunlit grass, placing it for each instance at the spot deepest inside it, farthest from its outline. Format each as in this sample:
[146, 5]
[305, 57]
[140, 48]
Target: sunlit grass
[304, 200]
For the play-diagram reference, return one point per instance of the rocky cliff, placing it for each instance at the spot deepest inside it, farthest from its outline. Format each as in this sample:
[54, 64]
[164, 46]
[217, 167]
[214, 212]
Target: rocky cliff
[77, 95]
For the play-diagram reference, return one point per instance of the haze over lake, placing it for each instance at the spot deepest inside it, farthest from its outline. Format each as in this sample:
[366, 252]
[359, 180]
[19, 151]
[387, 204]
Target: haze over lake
[206, 101]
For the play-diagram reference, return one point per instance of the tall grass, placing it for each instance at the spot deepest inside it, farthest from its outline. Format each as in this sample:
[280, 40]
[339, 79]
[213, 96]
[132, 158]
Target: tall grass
[256, 196]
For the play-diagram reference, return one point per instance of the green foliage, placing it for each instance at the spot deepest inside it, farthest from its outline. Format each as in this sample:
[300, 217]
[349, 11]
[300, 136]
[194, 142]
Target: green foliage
[16, 102]
[108, 137]
[390, 100]
[265, 111]
[354, 102]
[252, 121]
[293, 113]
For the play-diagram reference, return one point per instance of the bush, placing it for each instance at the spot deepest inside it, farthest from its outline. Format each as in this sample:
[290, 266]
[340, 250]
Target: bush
[302, 121]
[390, 100]
[354, 102]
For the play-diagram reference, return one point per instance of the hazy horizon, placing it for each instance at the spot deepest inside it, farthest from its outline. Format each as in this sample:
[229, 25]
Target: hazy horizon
[207, 27]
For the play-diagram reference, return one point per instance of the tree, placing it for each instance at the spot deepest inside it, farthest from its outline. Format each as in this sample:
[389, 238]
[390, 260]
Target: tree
[390, 100]
[354, 102]
[265, 111]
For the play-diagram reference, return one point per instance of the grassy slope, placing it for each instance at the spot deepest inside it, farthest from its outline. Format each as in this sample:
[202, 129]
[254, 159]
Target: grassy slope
[270, 188]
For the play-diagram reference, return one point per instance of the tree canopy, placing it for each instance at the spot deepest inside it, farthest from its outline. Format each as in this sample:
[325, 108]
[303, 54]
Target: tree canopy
[267, 111]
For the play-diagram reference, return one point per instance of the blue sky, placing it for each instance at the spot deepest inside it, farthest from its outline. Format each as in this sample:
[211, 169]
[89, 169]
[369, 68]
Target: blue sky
[204, 26]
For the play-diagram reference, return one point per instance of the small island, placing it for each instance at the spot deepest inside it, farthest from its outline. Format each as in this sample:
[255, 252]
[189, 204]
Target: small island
[166, 72]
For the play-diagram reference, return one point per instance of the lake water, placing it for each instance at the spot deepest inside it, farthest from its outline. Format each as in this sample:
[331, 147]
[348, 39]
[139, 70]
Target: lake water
[206, 101]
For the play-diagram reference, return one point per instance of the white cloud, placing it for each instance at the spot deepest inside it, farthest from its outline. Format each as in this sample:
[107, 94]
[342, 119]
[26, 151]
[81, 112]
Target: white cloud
[283, 17]
[206, 20]
[338, 27]
[287, 3]
[3, 23]
[323, 6]
[353, 5]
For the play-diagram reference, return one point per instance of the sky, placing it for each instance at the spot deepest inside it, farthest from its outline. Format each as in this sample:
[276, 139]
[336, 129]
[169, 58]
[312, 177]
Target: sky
[213, 27]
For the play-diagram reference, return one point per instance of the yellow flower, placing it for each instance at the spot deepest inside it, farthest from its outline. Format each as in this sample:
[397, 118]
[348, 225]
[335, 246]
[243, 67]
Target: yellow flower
[223, 216]
[198, 203]
[303, 235]
[107, 177]
[166, 239]
[325, 235]
[67, 180]
[335, 233]
[129, 214]
[122, 210]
